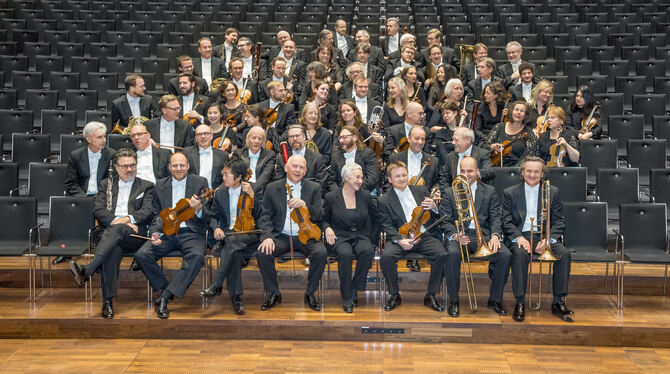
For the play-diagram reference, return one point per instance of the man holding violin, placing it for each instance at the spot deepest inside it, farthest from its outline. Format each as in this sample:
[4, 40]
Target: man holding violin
[279, 110]
[291, 207]
[189, 240]
[409, 209]
[192, 104]
[233, 202]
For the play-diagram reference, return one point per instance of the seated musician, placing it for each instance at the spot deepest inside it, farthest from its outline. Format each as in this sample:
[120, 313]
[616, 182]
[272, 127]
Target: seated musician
[232, 107]
[363, 98]
[394, 142]
[316, 167]
[515, 134]
[349, 91]
[224, 213]
[277, 74]
[279, 233]
[228, 49]
[189, 240]
[192, 104]
[404, 199]
[448, 54]
[335, 58]
[370, 70]
[218, 126]
[491, 112]
[236, 68]
[527, 82]
[347, 223]
[510, 72]
[353, 150]
[469, 70]
[580, 109]
[204, 160]
[207, 66]
[436, 59]
[453, 92]
[285, 112]
[327, 111]
[295, 66]
[248, 57]
[406, 56]
[185, 65]
[490, 224]
[260, 160]
[88, 165]
[413, 85]
[310, 120]
[122, 208]
[463, 147]
[318, 71]
[521, 203]
[485, 68]
[443, 131]
[566, 152]
[134, 103]
[436, 90]
[396, 105]
[541, 98]
[282, 37]
[169, 129]
[152, 163]
[376, 54]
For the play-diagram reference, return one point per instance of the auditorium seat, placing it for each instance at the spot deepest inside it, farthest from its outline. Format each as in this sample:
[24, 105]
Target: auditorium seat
[99, 116]
[17, 222]
[611, 104]
[661, 128]
[650, 69]
[118, 141]
[598, 154]
[505, 177]
[616, 187]
[56, 122]
[15, 121]
[8, 98]
[571, 182]
[27, 148]
[9, 177]
[647, 154]
[63, 81]
[38, 100]
[23, 80]
[635, 53]
[32, 49]
[662, 86]
[120, 65]
[625, 127]
[49, 63]
[613, 69]
[659, 186]
[560, 82]
[46, 180]
[81, 101]
[597, 83]
[573, 68]
[68, 143]
[649, 105]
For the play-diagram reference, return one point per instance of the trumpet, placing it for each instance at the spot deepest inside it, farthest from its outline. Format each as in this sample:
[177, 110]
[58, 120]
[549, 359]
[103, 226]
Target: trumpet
[547, 255]
[466, 212]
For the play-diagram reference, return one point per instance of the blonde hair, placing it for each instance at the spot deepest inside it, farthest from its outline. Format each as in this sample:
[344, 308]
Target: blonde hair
[402, 87]
[541, 86]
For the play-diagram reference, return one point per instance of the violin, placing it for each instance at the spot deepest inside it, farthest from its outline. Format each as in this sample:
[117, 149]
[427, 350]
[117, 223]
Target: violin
[418, 180]
[589, 122]
[497, 156]
[194, 121]
[182, 212]
[557, 153]
[507, 100]
[419, 218]
[307, 230]
[245, 207]
[223, 142]
[541, 123]
[403, 145]
[243, 95]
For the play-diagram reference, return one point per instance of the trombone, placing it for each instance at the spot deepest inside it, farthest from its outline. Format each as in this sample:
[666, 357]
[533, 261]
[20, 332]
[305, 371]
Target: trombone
[547, 255]
[466, 212]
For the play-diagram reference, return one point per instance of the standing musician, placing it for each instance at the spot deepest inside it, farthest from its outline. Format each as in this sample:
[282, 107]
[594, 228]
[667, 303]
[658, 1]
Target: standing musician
[520, 138]
[121, 209]
[521, 203]
[509, 72]
[463, 141]
[580, 109]
[189, 240]
[561, 136]
[204, 160]
[185, 65]
[316, 167]
[236, 68]
[343, 41]
[490, 224]
[285, 112]
[526, 83]
[228, 49]
[397, 103]
[282, 37]
[469, 71]
[207, 66]
[347, 222]
[134, 103]
[192, 104]
[280, 234]
[394, 134]
[225, 211]
[395, 210]
[168, 129]
[152, 163]
[295, 67]
[260, 160]
[88, 165]
[352, 150]
[485, 68]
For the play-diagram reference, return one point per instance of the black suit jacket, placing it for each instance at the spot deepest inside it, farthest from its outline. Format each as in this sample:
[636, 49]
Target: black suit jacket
[384, 44]
[347, 92]
[517, 91]
[121, 109]
[160, 159]
[139, 202]
[78, 171]
[337, 58]
[393, 63]
[162, 198]
[474, 88]
[183, 132]
[448, 57]
[274, 52]
[449, 166]
[203, 87]
[393, 136]
[219, 213]
[429, 174]
[200, 108]
[504, 72]
[264, 167]
[335, 215]
[376, 56]
[391, 215]
[364, 157]
[220, 52]
[262, 88]
[514, 211]
[218, 70]
[218, 156]
[316, 168]
[273, 213]
[285, 115]
[469, 70]
[486, 206]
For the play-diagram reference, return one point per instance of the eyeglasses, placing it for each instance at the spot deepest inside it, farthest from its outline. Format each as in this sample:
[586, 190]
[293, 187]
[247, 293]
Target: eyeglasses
[203, 134]
[176, 109]
[342, 137]
[138, 134]
[127, 166]
[295, 136]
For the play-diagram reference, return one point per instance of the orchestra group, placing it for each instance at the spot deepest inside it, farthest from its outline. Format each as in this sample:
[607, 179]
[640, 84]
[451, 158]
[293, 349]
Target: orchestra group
[324, 152]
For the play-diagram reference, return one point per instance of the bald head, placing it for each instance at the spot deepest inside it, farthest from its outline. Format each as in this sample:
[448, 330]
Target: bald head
[295, 168]
[414, 114]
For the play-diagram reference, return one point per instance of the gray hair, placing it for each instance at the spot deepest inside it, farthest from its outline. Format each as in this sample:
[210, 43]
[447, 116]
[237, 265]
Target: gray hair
[364, 32]
[349, 169]
[466, 132]
[450, 85]
[92, 127]
[514, 44]
[348, 69]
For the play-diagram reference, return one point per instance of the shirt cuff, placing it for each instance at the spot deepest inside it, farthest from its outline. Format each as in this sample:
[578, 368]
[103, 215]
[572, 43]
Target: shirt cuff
[132, 219]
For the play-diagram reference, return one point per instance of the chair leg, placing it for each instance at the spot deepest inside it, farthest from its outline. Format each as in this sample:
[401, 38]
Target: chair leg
[620, 287]
[607, 270]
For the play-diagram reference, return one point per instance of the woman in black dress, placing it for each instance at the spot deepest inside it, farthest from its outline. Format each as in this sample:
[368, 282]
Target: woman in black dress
[449, 119]
[491, 110]
[415, 90]
[560, 135]
[517, 133]
[310, 120]
[327, 111]
[580, 109]
[394, 108]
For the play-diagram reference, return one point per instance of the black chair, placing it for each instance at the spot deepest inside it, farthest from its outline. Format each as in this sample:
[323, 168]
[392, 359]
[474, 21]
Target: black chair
[649, 105]
[15, 121]
[611, 104]
[642, 239]
[623, 128]
[9, 98]
[650, 69]
[18, 221]
[613, 69]
[616, 187]
[601, 53]
[81, 101]
[505, 177]
[120, 65]
[647, 154]
[49, 63]
[170, 52]
[155, 65]
[661, 128]
[102, 50]
[44, 181]
[597, 83]
[85, 65]
[630, 86]
[571, 183]
[68, 143]
[27, 148]
[118, 141]
[13, 63]
[545, 67]
[23, 80]
[63, 81]
[659, 186]
[99, 116]
[662, 86]
[635, 53]
[560, 82]
[9, 177]
[58, 122]
[39, 100]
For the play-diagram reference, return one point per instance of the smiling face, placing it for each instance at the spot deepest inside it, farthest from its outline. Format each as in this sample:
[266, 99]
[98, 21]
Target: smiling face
[295, 168]
[532, 172]
[355, 180]
[205, 48]
[126, 167]
[398, 178]
[178, 166]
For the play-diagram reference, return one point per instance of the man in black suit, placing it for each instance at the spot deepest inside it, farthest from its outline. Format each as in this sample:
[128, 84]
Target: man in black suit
[363, 98]
[208, 66]
[134, 103]
[509, 72]
[376, 54]
[391, 42]
[327, 39]
[152, 163]
[236, 69]
[469, 70]
[522, 207]
[352, 149]
[434, 36]
[205, 160]
[354, 71]
[435, 59]
[260, 160]
[223, 216]
[189, 240]
[248, 57]
[228, 49]
[192, 104]
[343, 42]
[463, 139]
[285, 111]
[185, 65]
[282, 37]
[316, 169]
[295, 67]
[490, 224]
[89, 165]
[527, 82]
[168, 129]
[124, 212]
[485, 68]
[414, 116]
[395, 209]
[406, 58]
[278, 74]
[370, 70]
[277, 230]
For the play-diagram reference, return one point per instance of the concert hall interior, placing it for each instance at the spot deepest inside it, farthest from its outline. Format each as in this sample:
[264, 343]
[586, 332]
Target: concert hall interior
[318, 177]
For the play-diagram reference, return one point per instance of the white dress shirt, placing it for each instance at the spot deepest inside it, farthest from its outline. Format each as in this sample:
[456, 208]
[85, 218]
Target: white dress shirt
[408, 127]
[166, 136]
[525, 89]
[532, 197]
[253, 162]
[473, 190]
[485, 82]
[206, 162]
[229, 54]
[178, 193]
[93, 163]
[413, 163]
[187, 103]
[288, 225]
[393, 43]
[233, 197]
[207, 69]
[134, 103]
[122, 198]
[145, 165]
[248, 66]
[342, 44]
[362, 104]
[467, 152]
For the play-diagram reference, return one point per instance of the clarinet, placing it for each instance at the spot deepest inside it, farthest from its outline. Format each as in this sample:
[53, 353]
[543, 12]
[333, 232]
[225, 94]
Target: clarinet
[109, 187]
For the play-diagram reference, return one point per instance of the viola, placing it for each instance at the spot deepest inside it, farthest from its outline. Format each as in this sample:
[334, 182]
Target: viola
[589, 122]
[420, 216]
[245, 207]
[194, 121]
[403, 145]
[541, 123]
[306, 229]
[507, 100]
[223, 142]
[173, 217]
[557, 153]
[418, 180]
[497, 156]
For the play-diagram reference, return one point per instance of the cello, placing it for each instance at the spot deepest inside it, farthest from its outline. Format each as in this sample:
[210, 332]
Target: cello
[173, 217]
[245, 206]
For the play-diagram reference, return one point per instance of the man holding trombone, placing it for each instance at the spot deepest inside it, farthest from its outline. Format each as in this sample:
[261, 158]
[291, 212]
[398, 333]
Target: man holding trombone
[532, 219]
[474, 231]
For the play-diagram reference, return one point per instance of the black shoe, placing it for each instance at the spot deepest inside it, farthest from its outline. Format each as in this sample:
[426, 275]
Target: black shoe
[161, 308]
[355, 301]
[348, 308]
[238, 305]
[497, 307]
[454, 309]
[519, 312]
[134, 266]
[431, 302]
[392, 303]
[245, 262]
[560, 309]
[413, 265]
[211, 291]
[107, 310]
[312, 302]
[79, 276]
[271, 301]
[60, 259]
[282, 260]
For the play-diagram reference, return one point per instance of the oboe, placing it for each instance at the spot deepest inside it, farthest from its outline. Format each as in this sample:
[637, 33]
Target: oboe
[109, 186]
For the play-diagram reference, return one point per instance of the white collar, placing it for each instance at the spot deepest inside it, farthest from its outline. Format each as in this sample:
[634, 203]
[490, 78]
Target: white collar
[94, 154]
[179, 183]
[528, 188]
[467, 152]
[205, 150]
[128, 184]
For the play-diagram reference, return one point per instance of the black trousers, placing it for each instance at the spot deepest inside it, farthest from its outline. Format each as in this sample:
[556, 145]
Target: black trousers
[521, 258]
[114, 243]
[499, 265]
[235, 249]
[429, 247]
[346, 251]
[314, 250]
[192, 248]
